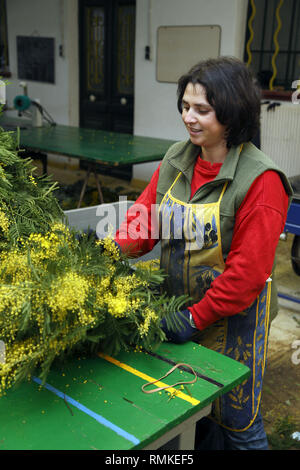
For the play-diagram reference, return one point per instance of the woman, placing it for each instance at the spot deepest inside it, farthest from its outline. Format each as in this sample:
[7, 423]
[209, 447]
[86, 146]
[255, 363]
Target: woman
[222, 206]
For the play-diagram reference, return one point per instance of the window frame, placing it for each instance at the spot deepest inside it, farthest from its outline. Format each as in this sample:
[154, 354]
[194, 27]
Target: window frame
[272, 93]
[4, 69]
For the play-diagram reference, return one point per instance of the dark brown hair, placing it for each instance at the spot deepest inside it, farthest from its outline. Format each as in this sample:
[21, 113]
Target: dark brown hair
[231, 91]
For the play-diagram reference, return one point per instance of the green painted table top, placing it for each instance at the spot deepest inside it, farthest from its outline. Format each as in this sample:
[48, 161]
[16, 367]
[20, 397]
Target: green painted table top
[104, 147]
[98, 403]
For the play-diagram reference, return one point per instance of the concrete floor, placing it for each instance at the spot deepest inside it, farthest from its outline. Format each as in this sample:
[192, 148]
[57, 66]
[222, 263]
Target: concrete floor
[285, 329]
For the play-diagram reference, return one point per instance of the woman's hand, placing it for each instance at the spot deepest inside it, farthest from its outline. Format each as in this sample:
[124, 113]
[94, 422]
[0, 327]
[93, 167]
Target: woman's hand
[182, 328]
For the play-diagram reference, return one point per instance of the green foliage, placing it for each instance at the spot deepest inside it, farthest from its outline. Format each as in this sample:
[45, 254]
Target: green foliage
[281, 436]
[26, 200]
[60, 296]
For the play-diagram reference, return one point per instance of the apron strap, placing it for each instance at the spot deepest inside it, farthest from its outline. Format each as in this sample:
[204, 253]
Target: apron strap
[170, 188]
[222, 192]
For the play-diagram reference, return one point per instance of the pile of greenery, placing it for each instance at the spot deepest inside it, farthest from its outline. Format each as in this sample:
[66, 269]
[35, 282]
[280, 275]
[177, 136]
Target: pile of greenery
[61, 293]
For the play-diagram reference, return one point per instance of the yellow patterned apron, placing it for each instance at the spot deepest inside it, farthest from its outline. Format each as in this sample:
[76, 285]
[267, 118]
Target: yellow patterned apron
[192, 257]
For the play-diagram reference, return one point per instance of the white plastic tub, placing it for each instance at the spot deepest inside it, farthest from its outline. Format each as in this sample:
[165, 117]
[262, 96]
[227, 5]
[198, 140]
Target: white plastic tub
[105, 219]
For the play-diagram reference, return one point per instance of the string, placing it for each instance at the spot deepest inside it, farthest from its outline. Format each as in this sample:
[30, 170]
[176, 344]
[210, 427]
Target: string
[158, 389]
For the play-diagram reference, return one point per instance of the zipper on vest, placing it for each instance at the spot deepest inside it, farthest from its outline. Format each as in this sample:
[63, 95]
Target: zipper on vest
[210, 183]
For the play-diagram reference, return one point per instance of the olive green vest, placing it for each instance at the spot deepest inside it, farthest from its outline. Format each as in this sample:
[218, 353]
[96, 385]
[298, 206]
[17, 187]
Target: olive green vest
[240, 169]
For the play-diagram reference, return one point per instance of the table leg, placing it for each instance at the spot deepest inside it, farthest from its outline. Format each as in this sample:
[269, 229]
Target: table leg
[43, 157]
[99, 187]
[84, 187]
[85, 184]
[187, 438]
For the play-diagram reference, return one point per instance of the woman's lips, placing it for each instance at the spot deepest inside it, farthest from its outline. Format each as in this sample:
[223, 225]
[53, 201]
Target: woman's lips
[194, 131]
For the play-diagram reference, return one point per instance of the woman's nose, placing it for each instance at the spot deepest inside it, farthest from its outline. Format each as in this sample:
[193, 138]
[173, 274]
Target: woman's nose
[189, 116]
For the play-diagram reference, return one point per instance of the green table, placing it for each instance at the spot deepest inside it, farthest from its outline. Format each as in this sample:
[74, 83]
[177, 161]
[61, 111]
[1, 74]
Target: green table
[98, 403]
[89, 145]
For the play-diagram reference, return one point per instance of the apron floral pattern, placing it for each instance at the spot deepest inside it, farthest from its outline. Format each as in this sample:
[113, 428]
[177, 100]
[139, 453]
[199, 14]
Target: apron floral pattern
[191, 255]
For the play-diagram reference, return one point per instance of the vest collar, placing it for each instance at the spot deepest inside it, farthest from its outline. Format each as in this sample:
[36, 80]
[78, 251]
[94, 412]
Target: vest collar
[184, 160]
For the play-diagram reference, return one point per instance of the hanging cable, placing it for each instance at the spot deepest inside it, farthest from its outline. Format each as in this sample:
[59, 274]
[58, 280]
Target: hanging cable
[279, 24]
[44, 113]
[250, 21]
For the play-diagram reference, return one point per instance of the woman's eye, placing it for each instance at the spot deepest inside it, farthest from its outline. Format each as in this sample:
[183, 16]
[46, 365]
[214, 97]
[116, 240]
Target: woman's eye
[185, 107]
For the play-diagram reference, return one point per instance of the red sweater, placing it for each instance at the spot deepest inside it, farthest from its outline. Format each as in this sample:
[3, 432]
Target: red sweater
[259, 222]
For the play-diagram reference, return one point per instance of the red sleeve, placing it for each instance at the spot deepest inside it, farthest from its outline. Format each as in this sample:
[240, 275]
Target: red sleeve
[138, 233]
[259, 222]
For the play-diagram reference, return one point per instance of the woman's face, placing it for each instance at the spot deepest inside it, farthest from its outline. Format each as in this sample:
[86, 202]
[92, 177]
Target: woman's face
[200, 119]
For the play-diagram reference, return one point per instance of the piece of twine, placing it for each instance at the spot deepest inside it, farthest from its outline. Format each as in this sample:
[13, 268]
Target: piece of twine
[158, 389]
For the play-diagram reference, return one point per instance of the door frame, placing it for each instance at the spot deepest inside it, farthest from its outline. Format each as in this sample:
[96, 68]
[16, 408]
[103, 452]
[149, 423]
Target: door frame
[110, 54]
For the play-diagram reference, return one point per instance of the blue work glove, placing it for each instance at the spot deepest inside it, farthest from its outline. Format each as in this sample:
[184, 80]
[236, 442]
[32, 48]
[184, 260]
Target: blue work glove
[182, 328]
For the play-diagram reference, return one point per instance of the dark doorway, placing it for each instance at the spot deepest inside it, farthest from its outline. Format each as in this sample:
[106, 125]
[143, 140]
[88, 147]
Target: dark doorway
[106, 45]
[107, 40]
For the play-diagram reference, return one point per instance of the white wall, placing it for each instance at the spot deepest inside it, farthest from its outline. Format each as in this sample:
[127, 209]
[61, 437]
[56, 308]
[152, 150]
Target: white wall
[46, 18]
[155, 111]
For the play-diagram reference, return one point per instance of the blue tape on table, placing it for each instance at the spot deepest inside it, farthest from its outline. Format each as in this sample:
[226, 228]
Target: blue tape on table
[89, 412]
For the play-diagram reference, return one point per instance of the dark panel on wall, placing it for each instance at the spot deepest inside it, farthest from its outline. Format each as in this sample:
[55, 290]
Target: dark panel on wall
[35, 57]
